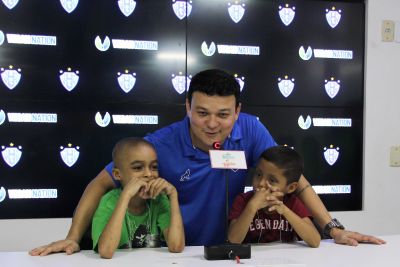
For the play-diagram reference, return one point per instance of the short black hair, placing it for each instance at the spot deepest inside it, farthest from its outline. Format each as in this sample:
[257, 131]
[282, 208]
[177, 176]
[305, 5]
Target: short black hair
[286, 159]
[214, 82]
[125, 143]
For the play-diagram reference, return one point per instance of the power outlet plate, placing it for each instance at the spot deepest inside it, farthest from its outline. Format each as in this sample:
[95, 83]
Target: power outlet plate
[395, 156]
[388, 30]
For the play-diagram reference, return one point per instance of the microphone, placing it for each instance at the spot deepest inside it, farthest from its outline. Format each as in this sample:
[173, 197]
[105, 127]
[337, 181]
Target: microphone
[227, 250]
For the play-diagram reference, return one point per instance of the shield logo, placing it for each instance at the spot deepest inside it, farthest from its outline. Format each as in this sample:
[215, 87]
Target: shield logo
[3, 194]
[286, 86]
[69, 79]
[181, 82]
[305, 55]
[10, 77]
[208, 51]
[331, 154]
[102, 121]
[182, 9]
[126, 81]
[69, 154]
[127, 7]
[69, 5]
[1, 37]
[333, 17]
[102, 46]
[286, 14]
[236, 12]
[11, 154]
[332, 87]
[10, 4]
[2, 116]
[240, 80]
[304, 124]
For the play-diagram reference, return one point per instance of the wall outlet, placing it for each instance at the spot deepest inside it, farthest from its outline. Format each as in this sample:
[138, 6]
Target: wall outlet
[395, 156]
[388, 30]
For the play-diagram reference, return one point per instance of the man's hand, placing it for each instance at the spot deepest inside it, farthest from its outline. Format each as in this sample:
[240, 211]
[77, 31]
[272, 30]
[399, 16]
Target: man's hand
[68, 246]
[351, 238]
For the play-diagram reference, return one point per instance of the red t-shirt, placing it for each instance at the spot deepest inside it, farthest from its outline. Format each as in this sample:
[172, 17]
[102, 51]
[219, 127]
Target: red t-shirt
[269, 227]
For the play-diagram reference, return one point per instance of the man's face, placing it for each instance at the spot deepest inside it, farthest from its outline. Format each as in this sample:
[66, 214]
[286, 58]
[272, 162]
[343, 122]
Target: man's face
[211, 118]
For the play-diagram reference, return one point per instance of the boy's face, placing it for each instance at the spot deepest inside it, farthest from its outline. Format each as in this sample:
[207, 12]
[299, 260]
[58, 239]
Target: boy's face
[211, 118]
[139, 162]
[269, 175]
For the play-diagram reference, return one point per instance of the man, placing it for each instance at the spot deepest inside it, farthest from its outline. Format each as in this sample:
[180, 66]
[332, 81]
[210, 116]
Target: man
[213, 115]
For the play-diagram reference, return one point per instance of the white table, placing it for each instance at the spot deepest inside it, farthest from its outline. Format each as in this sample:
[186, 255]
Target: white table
[273, 254]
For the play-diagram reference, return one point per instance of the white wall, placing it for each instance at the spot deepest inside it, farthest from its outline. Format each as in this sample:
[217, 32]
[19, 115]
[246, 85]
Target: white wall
[380, 214]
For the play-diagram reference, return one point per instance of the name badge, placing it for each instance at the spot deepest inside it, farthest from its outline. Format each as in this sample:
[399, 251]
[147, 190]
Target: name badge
[228, 159]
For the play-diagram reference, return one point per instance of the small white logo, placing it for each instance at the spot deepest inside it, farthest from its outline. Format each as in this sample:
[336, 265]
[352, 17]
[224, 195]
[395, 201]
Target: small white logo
[1, 37]
[10, 4]
[236, 11]
[331, 154]
[185, 176]
[69, 79]
[305, 55]
[102, 45]
[287, 14]
[2, 116]
[181, 82]
[11, 154]
[333, 16]
[208, 51]
[304, 124]
[240, 80]
[69, 154]
[102, 121]
[69, 5]
[11, 77]
[3, 194]
[126, 80]
[332, 87]
[182, 9]
[126, 7]
[286, 86]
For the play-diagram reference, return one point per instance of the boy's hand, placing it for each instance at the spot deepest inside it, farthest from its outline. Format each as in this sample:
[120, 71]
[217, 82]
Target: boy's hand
[276, 205]
[160, 185]
[259, 199]
[134, 186]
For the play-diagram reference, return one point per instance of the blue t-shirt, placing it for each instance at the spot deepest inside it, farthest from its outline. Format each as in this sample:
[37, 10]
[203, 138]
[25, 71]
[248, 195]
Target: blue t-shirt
[202, 189]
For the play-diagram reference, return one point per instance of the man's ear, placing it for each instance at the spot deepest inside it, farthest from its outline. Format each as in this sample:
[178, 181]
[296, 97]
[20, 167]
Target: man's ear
[187, 104]
[237, 111]
[116, 173]
[290, 188]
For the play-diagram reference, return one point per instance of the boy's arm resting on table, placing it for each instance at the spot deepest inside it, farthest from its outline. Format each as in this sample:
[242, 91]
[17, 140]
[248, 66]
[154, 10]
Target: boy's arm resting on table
[239, 227]
[314, 204]
[82, 217]
[175, 234]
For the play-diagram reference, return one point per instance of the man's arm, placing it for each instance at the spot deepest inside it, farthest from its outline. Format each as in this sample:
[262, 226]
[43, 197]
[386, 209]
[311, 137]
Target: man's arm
[312, 201]
[82, 217]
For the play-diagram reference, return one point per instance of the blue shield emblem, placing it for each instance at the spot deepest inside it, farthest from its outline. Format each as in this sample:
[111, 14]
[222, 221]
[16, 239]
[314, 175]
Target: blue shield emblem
[2, 116]
[69, 5]
[11, 77]
[236, 12]
[69, 79]
[208, 51]
[11, 154]
[331, 154]
[240, 80]
[332, 87]
[182, 9]
[305, 55]
[333, 17]
[1, 37]
[126, 81]
[69, 154]
[126, 7]
[304, 124]
[3, 194]
[102, 121]
[181, 82]
[10, 4]
[286, 14]
[102, 45]
[286, 86]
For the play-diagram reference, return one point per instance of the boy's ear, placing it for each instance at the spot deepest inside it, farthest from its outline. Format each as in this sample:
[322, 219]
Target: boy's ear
[116, 174]
[290, 188]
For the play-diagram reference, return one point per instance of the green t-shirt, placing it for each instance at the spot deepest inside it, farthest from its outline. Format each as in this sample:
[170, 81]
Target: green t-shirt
[137, 230]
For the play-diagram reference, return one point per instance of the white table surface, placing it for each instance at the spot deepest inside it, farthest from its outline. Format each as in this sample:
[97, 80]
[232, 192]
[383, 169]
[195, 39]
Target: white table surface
[273, 254]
